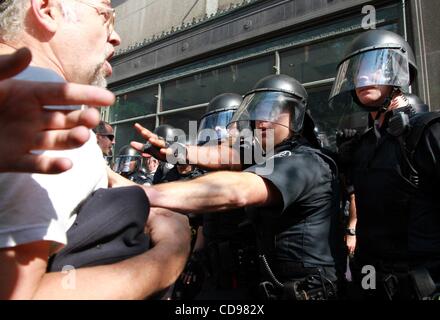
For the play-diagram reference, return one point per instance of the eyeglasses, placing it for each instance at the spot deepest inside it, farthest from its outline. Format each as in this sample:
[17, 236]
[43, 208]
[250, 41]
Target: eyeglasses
[111, 137]
[109, 14]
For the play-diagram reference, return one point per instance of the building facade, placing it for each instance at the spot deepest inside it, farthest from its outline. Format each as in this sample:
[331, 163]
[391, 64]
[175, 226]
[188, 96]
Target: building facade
[170, 77]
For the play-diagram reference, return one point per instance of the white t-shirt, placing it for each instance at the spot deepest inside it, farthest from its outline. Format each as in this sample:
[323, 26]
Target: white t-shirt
[36, 207]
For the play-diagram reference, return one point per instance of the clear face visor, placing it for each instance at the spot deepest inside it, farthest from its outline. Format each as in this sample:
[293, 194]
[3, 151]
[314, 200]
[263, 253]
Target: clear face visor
[268, 106]
[126, 164]
[386, 67]
[214, 124]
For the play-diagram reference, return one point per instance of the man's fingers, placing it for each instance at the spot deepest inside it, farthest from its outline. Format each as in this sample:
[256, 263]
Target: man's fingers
[160, 143]
[140, 147]
[11, 65]
[166, 151]
[137, 145]
[42, 164]
[70, 94]
[61, 139]
[89, 118]
[54, 120]
[147, 134]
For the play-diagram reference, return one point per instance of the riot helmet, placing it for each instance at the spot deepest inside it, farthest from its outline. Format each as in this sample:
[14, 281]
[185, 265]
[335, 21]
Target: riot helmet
[416, 103]
[219, 113]
[127, 161]
[167, 132]
[375, 58]
[274, 99]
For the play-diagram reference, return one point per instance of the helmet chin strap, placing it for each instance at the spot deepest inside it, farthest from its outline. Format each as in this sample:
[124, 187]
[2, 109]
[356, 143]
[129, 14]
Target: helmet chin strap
[384, 107]
[382, 110]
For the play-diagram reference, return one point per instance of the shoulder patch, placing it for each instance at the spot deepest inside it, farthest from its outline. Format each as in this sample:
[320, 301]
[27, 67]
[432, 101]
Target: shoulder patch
[169, 166]
[281, 155]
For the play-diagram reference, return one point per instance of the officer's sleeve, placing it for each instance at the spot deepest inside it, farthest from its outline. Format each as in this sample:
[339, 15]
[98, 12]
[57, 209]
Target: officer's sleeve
[290, 174]
[427, 155]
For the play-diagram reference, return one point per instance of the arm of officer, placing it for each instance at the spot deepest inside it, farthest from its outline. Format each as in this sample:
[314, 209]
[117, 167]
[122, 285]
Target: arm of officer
[23, 268]
[215, 157]
[216, 191]
[352, 220]
[210, 157]
[427, 154]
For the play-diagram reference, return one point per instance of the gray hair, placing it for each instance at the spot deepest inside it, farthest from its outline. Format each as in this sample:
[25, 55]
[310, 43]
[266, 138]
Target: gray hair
[12, 15]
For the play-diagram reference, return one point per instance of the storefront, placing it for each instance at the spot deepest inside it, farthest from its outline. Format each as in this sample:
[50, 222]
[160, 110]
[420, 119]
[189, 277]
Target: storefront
[171, 80]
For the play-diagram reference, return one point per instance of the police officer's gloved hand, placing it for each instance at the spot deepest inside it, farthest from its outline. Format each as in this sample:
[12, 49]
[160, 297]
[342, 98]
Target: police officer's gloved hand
[154, 150]
[346, 141]
[346, 135]
[179, 153]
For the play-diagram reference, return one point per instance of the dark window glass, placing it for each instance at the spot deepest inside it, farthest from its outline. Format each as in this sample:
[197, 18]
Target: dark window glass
[125, 133]
[319, 60]
[202, 87]
[181, 120]
[314, 62]
[134, 104]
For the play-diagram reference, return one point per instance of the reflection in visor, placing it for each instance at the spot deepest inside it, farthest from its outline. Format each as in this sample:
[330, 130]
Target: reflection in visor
[124, 164]
[215, 122]
[268, 106]
[377, 67]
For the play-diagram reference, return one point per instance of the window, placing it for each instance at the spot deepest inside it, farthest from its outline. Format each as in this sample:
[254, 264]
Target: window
[125, 133]
[310, 55]
[182, 120]
[316, 61]
[134, 104]
[201, 87]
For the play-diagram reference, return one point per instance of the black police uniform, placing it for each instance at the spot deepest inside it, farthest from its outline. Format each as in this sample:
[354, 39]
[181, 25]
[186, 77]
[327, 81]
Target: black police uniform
[165, 173]
[230, 257]
[295, 236]
[398, 222]
[228, 264]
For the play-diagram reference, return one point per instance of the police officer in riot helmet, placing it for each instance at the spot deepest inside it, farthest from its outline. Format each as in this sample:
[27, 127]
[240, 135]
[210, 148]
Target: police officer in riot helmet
[219, 113]
[166, 171]
[395, 167]
[128, 164]
[228, 254]
[290, 195]
[278, 103]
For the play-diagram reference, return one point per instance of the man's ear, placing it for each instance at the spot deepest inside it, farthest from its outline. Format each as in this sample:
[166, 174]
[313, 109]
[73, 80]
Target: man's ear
[43, 11]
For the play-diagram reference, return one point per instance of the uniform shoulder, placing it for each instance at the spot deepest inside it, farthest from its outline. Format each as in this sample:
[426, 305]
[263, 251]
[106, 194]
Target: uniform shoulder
[422, 124]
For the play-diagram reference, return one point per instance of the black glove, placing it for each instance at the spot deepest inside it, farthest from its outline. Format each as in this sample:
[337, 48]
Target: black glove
[155, 151]
[347, 141]
[178, 149]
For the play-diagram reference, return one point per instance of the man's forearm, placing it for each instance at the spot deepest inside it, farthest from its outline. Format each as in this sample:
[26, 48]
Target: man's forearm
[352, 215]
[217, 191]
[135, 278]
[215, 157]
[116, 180]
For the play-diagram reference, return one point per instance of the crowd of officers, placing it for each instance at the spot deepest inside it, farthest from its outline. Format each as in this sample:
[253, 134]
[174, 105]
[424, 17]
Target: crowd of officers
[378, 187]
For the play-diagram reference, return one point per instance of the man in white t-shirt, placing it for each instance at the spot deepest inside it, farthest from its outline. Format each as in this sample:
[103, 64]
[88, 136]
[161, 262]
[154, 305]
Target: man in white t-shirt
[21, 105]
[54, 196]
[70, 41]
